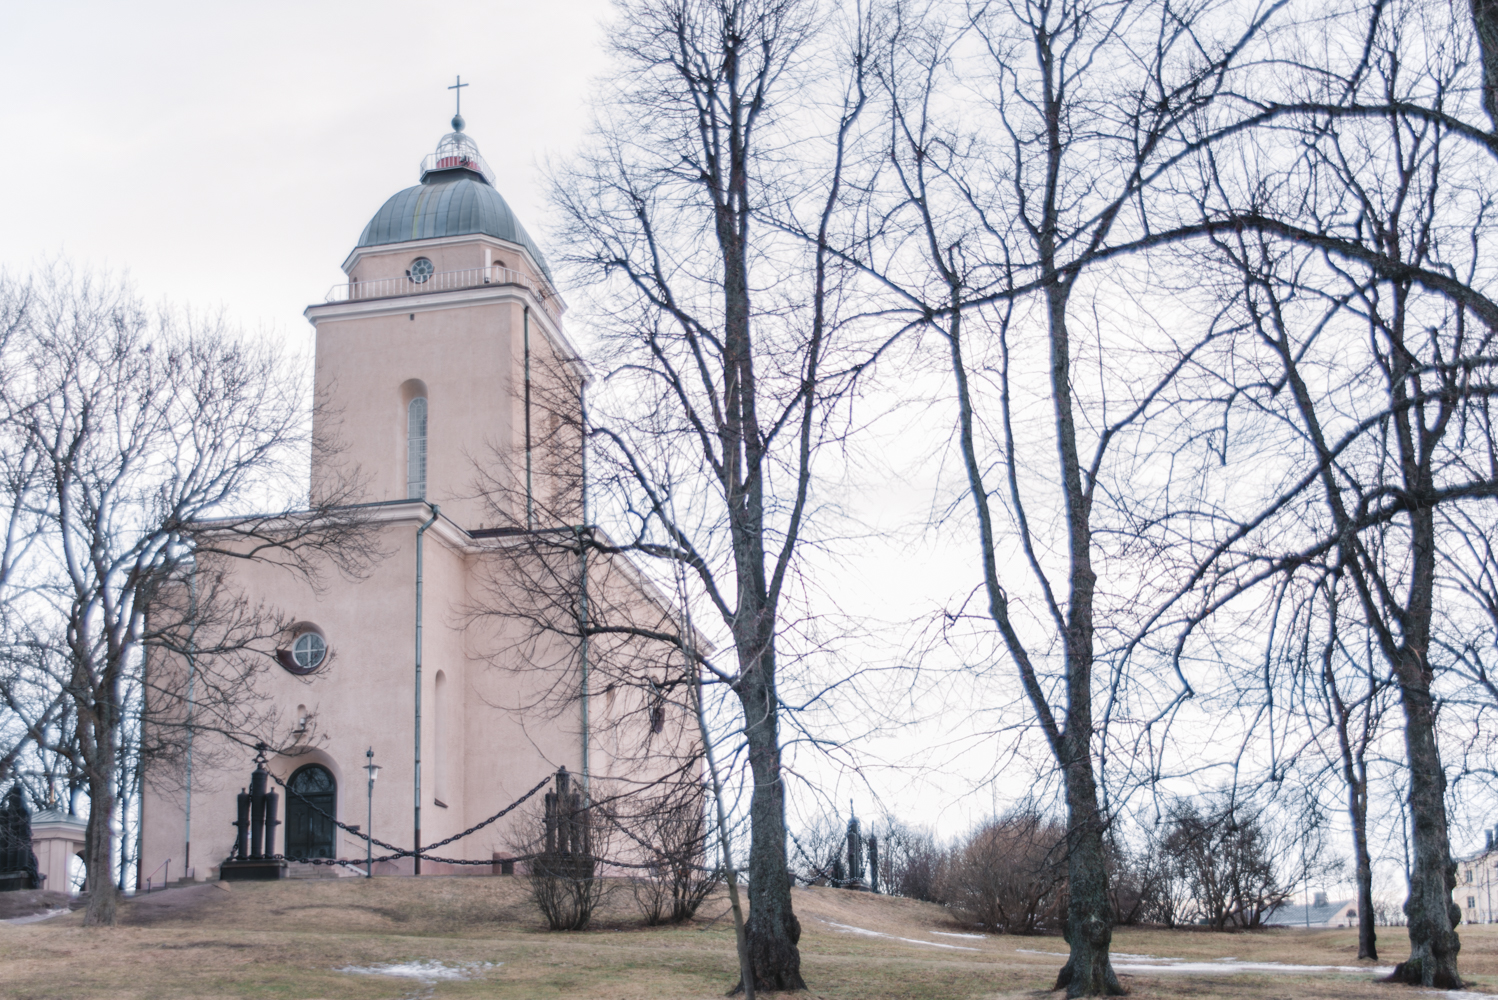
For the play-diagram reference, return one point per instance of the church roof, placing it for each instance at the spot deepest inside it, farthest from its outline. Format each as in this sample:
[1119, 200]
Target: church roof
[455, 198]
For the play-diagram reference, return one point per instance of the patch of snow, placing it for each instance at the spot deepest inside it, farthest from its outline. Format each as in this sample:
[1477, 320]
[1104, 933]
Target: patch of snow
[425, 972]
[1149, 963]
[977, 937]
[849, 929]
[1219, 965]
[34, 917]
[937, 944]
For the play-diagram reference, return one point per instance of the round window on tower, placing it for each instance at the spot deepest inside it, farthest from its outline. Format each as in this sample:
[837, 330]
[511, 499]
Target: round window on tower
[307, 651]
[421, 270]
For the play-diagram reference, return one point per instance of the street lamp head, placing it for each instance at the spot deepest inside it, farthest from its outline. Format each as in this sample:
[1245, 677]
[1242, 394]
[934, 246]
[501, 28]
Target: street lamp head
[371, 767]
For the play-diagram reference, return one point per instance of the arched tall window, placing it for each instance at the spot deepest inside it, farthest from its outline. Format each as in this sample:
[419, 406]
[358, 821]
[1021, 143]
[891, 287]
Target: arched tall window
[416, 448]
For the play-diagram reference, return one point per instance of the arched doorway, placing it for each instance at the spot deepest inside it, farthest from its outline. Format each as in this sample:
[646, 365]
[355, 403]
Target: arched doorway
[309, 812]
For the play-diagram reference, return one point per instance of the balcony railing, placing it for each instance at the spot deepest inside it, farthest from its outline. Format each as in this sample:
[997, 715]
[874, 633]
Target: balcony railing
[448, 159]
[445, 281]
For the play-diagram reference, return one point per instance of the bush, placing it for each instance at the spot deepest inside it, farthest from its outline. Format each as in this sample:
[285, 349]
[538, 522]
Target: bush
[673, 832]
[1224, 862]
[1009, 875]
[911, 862]
[563, 872]
[566, 890]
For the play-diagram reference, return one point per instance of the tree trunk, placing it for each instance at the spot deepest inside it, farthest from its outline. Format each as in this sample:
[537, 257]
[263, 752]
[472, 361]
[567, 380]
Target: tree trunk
[772, 929]
[1433, 914]
[1485, 21]
[1089, 919]
[1357, 795]
[103, 894]
[98, 715]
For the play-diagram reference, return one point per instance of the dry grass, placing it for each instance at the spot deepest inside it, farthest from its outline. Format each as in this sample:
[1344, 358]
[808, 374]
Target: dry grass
[287, 939]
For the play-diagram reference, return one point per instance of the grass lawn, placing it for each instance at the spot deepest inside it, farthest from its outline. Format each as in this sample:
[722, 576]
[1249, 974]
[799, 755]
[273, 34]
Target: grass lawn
[289, 939]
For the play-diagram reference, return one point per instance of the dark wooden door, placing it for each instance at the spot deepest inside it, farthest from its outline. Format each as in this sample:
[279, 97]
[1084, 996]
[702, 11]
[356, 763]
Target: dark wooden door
[309, 810]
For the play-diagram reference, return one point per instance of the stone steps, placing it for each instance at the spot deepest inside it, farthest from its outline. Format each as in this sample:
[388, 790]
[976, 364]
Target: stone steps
[303, 870]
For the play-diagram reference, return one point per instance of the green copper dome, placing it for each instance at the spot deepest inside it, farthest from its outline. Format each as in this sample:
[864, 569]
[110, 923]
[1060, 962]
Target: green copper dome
[455, 198]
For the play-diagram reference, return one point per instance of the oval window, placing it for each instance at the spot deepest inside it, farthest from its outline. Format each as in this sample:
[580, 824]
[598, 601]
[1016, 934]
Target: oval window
[421, 270]
[308, 650]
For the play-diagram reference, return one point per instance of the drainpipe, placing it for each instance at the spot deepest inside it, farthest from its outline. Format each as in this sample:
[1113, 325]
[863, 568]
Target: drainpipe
[582, 611]
[530, 520]
[192, 676]
[419, 532]
[582, 549]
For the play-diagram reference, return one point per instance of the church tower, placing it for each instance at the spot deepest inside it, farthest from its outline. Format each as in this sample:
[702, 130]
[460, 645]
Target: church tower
[425, 355]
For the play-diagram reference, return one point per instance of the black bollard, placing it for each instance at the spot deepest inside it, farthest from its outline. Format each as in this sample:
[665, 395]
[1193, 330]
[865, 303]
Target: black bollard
[242, 839]
[271, 802]
[257, 813]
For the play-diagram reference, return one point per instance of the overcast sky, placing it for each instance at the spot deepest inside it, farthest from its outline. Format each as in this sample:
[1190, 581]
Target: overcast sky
[231, 154]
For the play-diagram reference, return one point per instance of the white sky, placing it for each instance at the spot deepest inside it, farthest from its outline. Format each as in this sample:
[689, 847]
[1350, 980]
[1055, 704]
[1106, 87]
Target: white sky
[228, 156]
[231, 154]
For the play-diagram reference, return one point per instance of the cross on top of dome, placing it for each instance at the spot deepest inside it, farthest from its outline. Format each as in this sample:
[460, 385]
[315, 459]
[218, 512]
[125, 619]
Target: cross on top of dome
[456, 151]
[458, 111]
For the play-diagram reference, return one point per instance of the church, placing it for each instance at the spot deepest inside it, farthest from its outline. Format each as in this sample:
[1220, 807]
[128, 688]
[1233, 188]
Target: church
[441, 372]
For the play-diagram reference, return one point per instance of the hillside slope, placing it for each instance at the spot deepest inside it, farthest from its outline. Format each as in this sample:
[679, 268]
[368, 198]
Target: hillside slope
[471, 937]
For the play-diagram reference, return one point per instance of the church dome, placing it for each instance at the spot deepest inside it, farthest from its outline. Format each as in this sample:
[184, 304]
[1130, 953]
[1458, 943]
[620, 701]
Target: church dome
[456, 197]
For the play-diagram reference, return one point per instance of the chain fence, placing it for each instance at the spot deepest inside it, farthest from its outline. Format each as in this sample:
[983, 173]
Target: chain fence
[402, 852]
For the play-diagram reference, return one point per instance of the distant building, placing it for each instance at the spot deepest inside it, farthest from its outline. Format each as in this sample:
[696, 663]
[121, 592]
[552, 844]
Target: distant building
[1321, 912]
[1477, 882]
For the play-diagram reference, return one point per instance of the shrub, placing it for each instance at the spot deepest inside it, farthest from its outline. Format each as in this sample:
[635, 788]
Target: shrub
[1009, 875]
[674, 835]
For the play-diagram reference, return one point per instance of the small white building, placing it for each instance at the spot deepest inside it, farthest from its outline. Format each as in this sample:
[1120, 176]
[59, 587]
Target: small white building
[1477, 883]
[1321, 912]
[57, 842]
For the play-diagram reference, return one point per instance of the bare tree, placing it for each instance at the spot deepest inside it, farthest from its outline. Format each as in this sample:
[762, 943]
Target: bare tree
[911, 862]
[996, 232]
[1345, 698]
[145, 428]
[31, 708]
[718, 333]
[1136, 882]
[1166, 894]
[1357, 324]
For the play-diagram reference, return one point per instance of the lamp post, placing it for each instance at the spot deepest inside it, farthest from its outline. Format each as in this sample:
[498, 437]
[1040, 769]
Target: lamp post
[374, 772]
